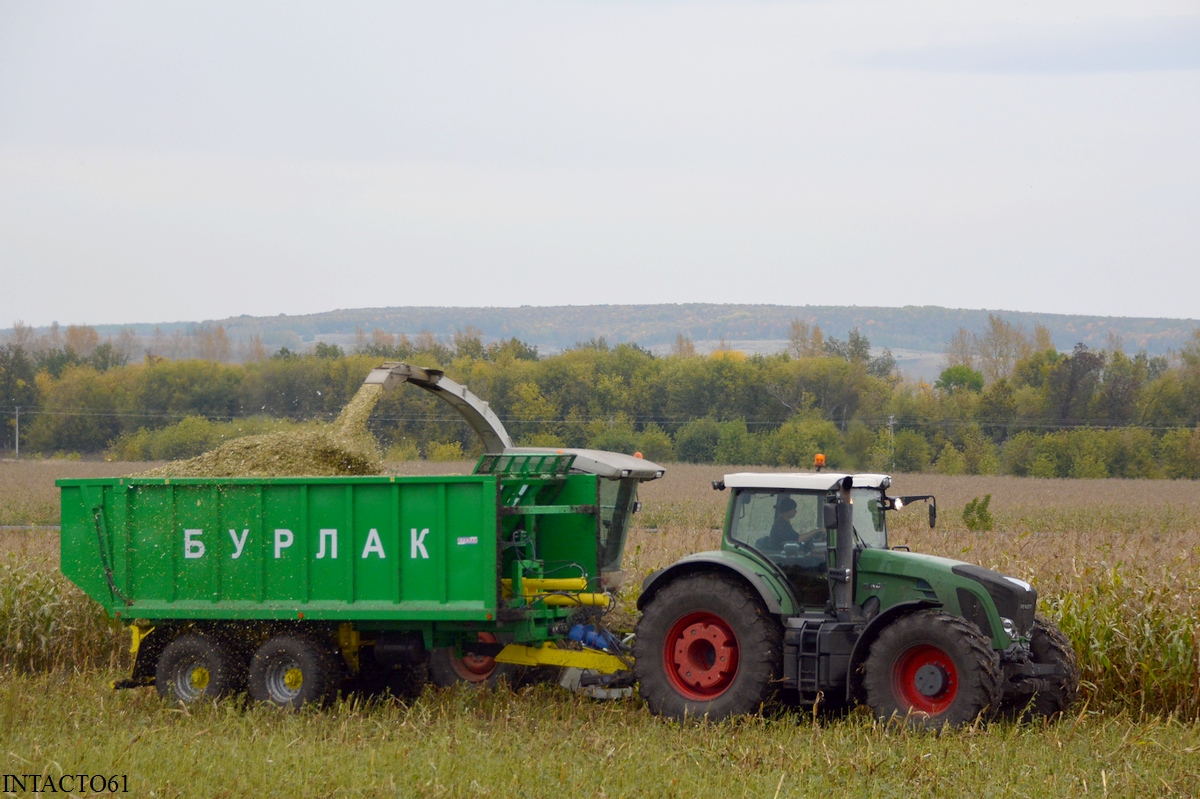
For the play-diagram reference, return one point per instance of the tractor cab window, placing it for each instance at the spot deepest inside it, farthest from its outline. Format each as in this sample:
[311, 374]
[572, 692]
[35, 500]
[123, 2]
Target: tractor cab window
[786, 527]
[869, 529]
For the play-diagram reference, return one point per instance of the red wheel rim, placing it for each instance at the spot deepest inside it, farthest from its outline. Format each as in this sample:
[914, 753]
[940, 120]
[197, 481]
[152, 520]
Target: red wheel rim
[925, 679]
[700, 656]
[475, 668]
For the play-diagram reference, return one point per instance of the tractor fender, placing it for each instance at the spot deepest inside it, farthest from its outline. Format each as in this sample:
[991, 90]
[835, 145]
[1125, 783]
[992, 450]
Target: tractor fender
[776, 597]
[862, 647]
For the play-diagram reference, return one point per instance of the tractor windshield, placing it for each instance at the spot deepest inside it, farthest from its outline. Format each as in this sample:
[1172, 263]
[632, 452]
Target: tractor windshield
[869, 526]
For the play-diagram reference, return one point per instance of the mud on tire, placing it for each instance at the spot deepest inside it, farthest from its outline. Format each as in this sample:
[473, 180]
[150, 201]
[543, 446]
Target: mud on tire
[706, 647]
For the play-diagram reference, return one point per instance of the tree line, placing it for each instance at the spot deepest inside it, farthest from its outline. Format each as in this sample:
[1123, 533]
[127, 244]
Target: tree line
[1007, 402]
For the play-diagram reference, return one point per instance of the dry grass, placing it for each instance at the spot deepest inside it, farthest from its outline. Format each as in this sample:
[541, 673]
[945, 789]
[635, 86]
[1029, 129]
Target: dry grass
[1115, 563]
[27, 492]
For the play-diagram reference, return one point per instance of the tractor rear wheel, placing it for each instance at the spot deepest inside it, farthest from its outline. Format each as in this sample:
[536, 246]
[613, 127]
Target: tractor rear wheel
[706, 647]
[447, 669]
[196, 667]
[291, 671]
[930, 669]
[1050, 646]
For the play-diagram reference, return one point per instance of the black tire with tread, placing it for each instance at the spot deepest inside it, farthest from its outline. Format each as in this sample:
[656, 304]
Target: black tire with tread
[223, 672]
[759, 641]
[319, 667]
[1050, 646]
[979, 676]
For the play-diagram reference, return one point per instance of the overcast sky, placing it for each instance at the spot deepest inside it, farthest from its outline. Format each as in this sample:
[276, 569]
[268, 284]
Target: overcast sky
[187, 161]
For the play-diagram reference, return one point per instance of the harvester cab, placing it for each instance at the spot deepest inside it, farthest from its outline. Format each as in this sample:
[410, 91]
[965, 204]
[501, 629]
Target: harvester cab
[537, 561]
[620, 473]
[807, 595]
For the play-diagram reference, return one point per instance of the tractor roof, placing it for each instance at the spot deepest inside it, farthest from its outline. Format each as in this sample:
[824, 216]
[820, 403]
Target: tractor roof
[803, 481]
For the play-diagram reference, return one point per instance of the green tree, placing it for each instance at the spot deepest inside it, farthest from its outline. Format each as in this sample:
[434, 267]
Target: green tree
[512, 348]
[950, 461]
[18, 389]
[1018, 453]
[614, 436]
[81, 411]
[736, 444]
[1073, 380]
[532, 412]
[323, 350]
[959, 377]
[696, 441]
[912, 452]
[655, 445]
[798, 441]
[978, 452]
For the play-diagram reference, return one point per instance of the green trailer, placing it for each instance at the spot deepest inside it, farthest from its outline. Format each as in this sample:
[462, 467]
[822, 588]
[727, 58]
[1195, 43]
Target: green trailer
[285, 587]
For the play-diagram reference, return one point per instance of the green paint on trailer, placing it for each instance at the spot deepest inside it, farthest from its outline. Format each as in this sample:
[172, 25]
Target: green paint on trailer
[398, 551]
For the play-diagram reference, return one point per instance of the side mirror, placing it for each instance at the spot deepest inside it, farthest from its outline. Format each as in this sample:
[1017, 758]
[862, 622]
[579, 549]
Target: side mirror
[830, 510]
[932, 514]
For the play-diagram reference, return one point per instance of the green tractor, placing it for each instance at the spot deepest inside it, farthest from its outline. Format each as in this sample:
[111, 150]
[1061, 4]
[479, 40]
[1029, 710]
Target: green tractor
[806, 600]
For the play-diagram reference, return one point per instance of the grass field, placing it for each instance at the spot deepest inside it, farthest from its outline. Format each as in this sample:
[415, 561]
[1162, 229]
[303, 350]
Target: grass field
[1116, 563]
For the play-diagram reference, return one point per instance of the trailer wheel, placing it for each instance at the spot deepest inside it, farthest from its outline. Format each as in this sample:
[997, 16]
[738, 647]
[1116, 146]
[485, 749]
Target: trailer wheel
[291, 671]
[930, 669]
[706, 647]
[447, 669]
[1050, 646]
[195, 667]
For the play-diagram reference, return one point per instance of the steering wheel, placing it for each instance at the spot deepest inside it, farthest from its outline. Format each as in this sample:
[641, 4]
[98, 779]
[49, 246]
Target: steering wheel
[809, 540]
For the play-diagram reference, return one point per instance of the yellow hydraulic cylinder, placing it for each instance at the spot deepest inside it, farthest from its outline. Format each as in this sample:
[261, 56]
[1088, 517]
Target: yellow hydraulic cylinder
[586, 600]
[533, 585]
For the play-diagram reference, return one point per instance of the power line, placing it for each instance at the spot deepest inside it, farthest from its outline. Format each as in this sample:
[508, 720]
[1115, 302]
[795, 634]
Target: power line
[879, 422]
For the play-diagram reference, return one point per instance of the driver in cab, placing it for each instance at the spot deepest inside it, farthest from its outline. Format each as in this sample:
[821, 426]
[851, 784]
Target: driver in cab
[782, 531]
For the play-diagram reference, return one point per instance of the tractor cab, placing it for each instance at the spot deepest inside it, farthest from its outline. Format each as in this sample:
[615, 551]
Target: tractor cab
[781, 518]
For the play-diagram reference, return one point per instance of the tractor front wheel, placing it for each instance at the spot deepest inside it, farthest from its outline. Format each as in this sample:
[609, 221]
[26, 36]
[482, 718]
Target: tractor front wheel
[706, 647]
[930, 669]
[1050, 646]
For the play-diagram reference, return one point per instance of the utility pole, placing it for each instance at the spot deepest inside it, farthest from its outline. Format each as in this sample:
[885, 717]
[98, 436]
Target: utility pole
[17, 454]
[892, 440]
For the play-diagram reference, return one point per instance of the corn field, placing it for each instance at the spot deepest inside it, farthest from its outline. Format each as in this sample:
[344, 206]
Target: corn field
[1116, 564]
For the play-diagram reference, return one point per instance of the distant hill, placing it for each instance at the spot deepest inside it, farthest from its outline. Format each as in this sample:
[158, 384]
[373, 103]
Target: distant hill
[916, 333]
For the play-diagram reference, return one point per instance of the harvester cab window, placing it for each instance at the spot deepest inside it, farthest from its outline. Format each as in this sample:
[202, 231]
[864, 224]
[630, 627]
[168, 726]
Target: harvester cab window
[617, 500]
[787, 528]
